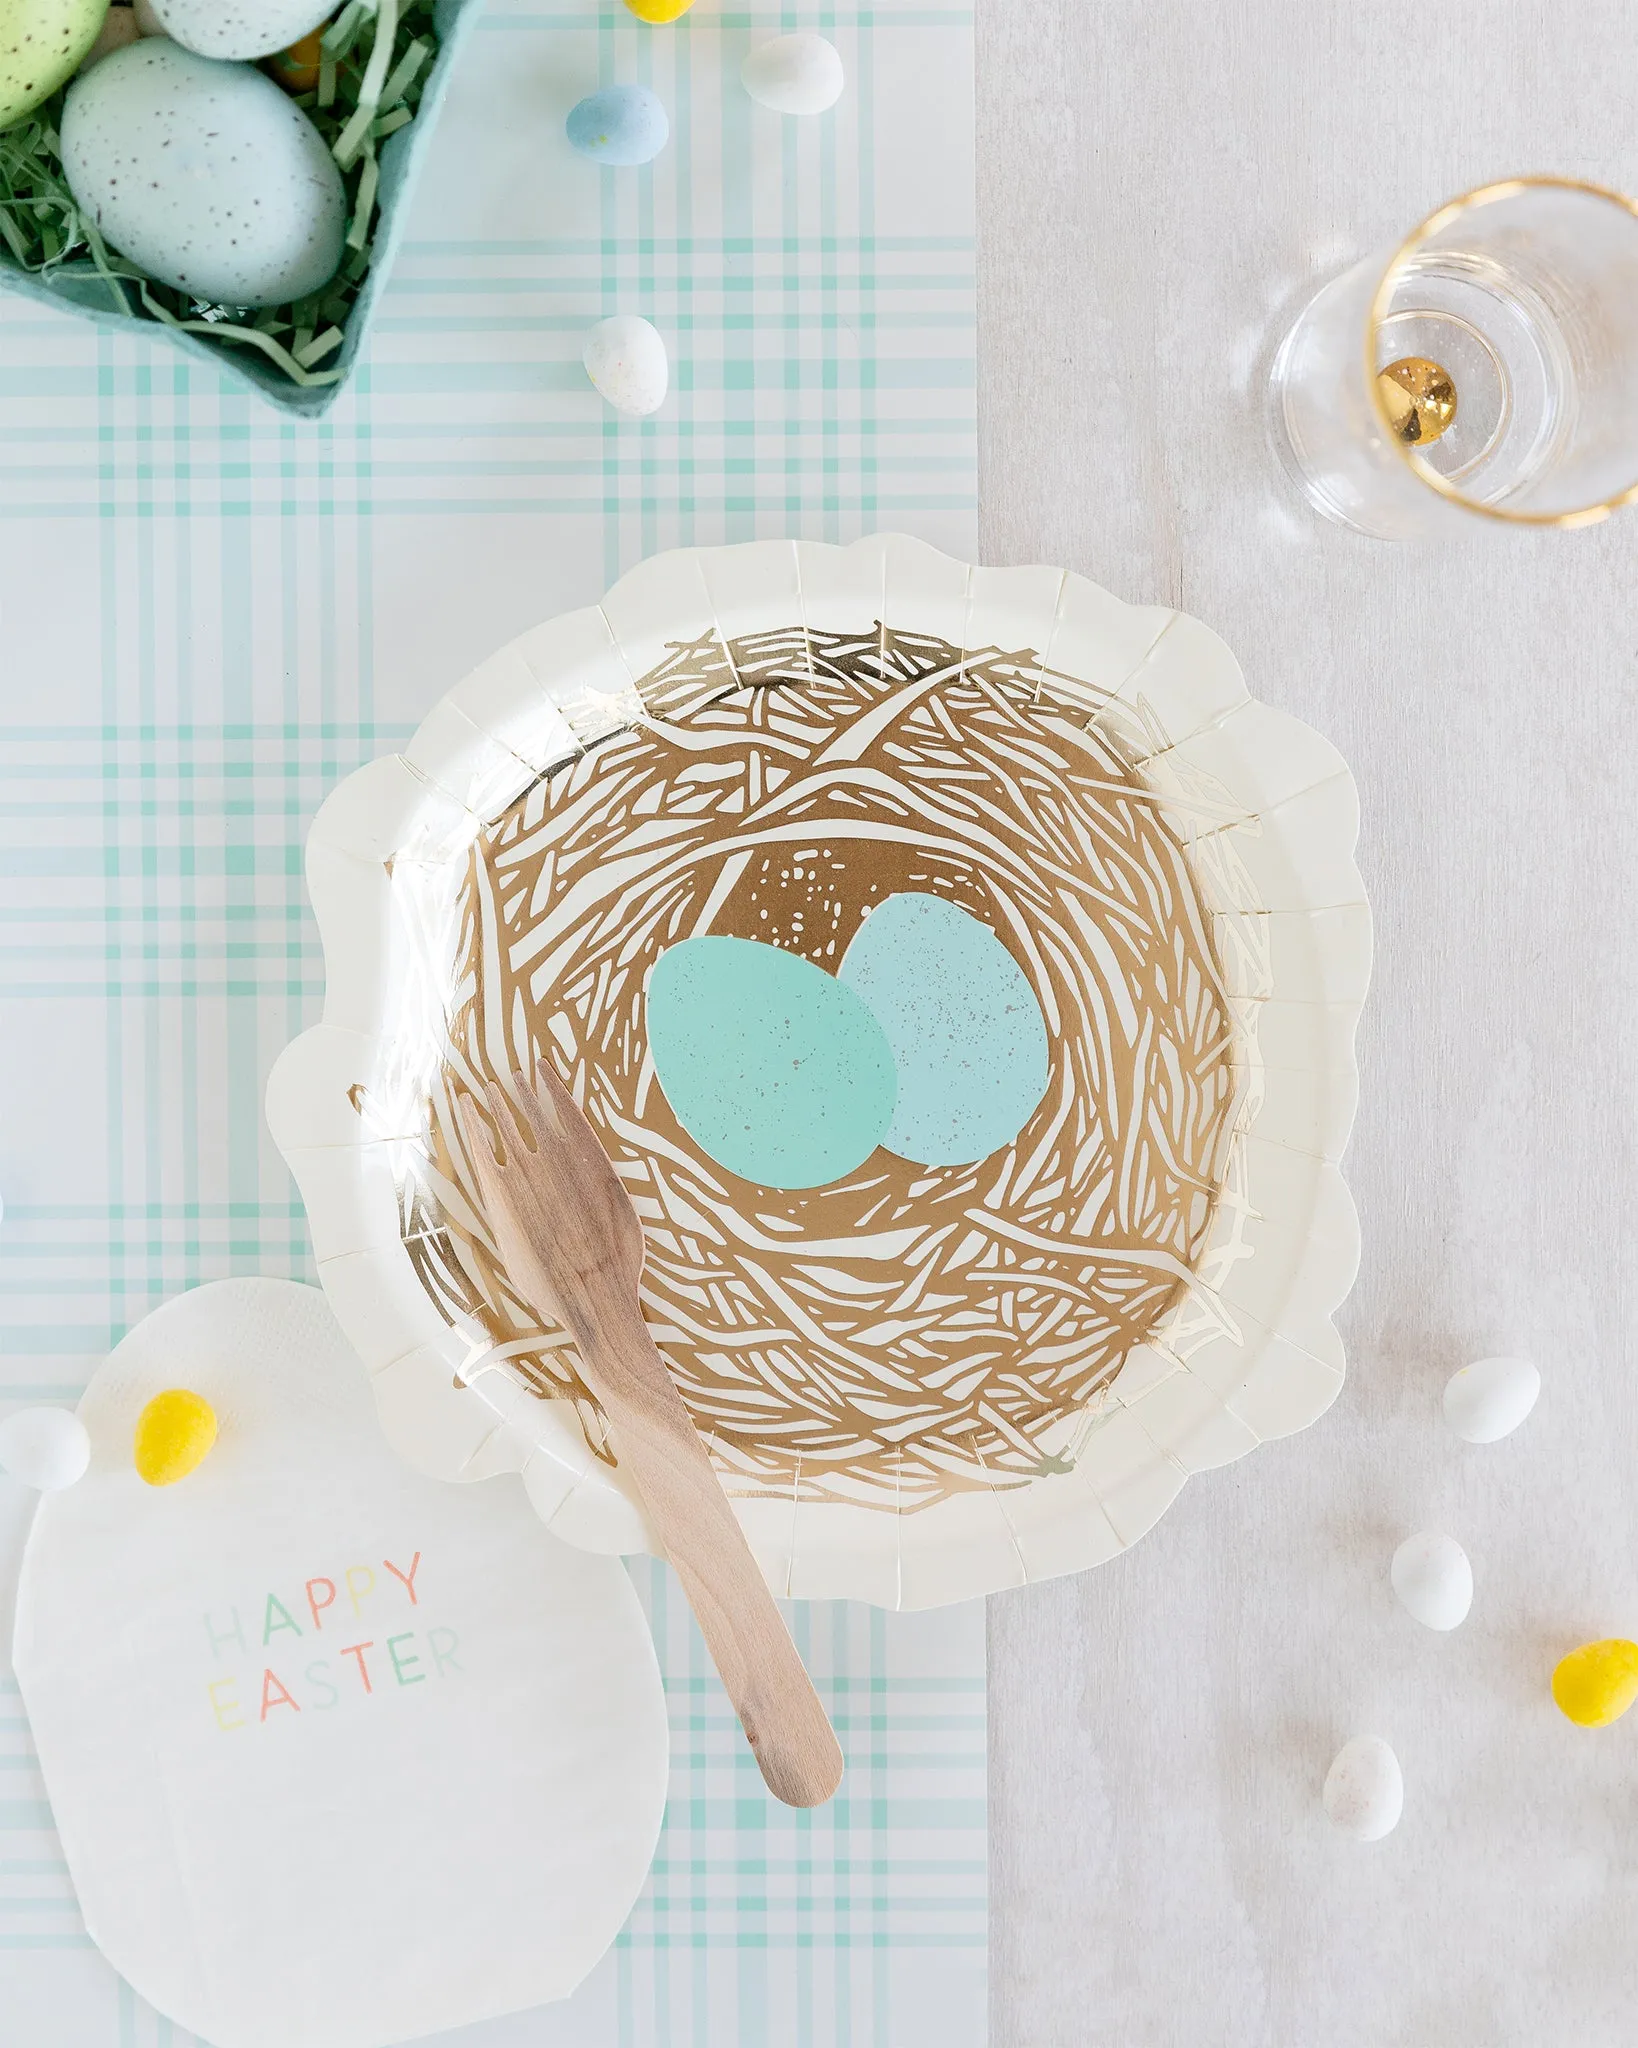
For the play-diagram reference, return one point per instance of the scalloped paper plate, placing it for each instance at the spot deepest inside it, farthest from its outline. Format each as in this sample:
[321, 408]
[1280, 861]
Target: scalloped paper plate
[919, 1385]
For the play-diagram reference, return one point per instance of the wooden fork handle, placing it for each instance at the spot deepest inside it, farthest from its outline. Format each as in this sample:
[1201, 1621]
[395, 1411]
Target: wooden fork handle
[793, 1742]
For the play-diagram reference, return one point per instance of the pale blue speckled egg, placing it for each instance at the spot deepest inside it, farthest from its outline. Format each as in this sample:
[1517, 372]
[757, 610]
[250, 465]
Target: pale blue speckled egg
[239, 29]
[968, 1040]
[204, 174]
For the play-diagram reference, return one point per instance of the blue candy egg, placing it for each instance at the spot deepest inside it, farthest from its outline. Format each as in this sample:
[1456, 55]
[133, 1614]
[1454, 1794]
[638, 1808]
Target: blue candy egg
[965, 1030]
[771, 1066]
[624, 124]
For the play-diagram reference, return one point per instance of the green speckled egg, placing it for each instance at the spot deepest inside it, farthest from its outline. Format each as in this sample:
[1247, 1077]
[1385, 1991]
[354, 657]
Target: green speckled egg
[774, 1069]
[41, 44]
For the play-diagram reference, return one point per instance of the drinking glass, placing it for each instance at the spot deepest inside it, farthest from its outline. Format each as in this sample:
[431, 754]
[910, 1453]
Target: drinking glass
[1486, 367]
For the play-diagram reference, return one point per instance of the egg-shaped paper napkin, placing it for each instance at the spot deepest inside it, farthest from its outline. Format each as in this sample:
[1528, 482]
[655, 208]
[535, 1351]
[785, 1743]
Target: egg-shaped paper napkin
[961, 970]
[339, 1755]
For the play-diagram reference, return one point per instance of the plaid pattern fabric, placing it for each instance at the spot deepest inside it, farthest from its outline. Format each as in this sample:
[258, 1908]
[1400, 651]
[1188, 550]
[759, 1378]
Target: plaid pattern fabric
[208, 615]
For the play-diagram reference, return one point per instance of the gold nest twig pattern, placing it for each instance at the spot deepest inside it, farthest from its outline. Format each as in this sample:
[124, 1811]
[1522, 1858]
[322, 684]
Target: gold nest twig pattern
[907, 1332]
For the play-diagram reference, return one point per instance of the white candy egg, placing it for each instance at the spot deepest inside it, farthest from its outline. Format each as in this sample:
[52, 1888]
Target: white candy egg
[1488, 1400]
[1365, 1789]
[204, 174]
[239, 28]
[1433, 1579]
[46, 1448]
[626, 360]
[799, 74]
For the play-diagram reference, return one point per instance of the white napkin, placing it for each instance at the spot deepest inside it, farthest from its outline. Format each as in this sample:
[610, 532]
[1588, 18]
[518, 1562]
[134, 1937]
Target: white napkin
[340, 1755]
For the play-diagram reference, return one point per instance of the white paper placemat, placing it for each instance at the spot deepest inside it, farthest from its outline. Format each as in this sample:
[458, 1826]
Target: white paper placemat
[207, 615]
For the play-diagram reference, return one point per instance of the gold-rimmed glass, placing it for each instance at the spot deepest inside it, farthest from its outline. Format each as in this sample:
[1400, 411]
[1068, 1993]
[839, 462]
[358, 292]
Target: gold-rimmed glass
[1485, 368]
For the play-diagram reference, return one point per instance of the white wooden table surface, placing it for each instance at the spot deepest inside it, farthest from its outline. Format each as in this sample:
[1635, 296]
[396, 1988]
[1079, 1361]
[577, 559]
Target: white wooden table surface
[1161, 182]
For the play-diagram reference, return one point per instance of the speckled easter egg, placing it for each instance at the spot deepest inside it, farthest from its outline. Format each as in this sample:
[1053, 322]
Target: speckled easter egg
[771, 1066]
[41, 44]
[966, 1032]
[204, 174]
[626, 361]
[626, 124]
[239, 29]
[797, 74]
[1365, 1789]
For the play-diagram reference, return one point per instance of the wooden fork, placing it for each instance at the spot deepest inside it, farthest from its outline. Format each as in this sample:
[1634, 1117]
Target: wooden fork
[569, 1238]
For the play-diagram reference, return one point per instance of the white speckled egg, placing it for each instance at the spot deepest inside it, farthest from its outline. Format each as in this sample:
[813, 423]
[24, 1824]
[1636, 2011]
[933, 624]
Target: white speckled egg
[46, 1448]
[798, 74]
[1365, 1789]
[240, 28]
[205, 174]
[626, 360]
[1488, 1400]
[1433, 1579]
[41, 44]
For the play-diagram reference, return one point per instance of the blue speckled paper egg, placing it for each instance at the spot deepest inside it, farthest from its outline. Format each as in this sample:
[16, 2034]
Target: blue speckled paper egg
[965, 1029]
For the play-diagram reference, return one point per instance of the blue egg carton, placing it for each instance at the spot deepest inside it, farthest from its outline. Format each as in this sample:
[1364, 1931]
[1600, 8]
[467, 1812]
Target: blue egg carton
[78, 288]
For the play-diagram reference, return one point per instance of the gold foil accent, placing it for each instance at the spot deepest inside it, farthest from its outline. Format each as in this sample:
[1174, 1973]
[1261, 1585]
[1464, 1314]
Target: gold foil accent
[1419, 399]
[907, 1332]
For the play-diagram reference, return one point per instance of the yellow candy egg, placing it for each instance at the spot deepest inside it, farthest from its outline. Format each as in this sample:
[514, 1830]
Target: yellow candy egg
[1596, 1684]
[173, 1435]
[297, 69]
[659, 10]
